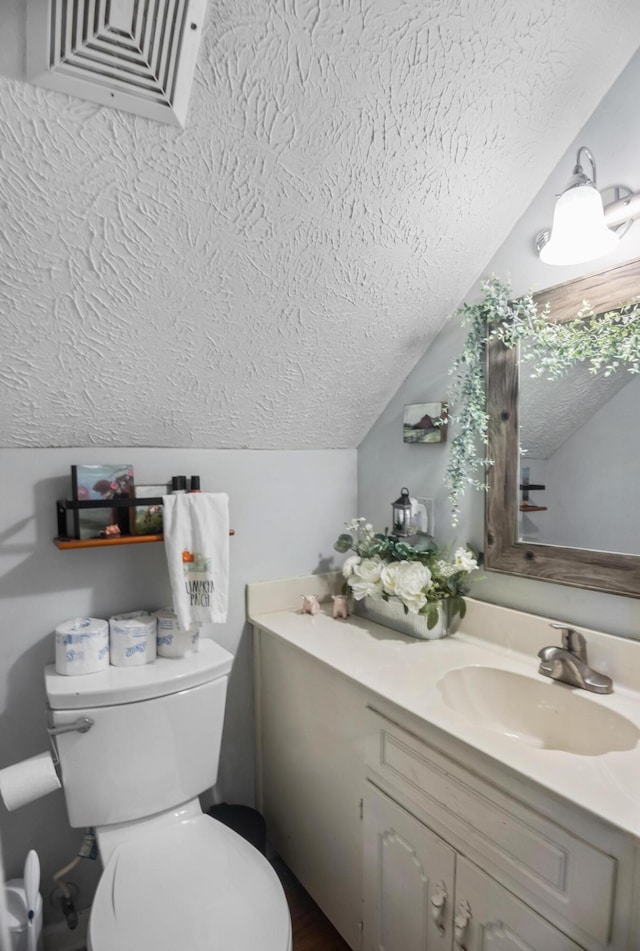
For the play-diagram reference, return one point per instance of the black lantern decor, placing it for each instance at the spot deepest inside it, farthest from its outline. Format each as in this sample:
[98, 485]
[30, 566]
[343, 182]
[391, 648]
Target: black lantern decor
[402, 518]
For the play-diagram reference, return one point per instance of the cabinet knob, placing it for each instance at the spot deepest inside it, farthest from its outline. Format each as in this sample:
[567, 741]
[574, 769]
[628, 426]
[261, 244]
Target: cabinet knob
[461, 925]
[438, 905]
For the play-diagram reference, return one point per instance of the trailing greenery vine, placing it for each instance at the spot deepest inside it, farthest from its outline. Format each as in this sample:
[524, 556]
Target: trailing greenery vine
[606, 342]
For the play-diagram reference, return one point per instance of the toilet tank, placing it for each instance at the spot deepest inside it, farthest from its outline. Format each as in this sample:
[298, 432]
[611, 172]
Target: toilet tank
[155, 738]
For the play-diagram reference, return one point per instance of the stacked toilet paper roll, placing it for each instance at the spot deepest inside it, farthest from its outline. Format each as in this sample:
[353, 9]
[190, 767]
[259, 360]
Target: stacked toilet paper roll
[132, 639]
[172, 640]
[82, 646]
[32, 778]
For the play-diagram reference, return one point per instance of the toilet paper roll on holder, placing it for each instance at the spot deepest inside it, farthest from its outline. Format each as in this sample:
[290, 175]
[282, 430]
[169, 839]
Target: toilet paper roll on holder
[32, 778]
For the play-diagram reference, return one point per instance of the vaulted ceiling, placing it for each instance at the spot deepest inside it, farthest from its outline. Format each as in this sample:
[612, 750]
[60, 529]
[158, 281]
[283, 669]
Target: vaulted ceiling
[267, 276]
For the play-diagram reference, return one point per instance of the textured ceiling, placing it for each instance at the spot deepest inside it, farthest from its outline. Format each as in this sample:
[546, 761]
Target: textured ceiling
[268, 276]
[552, 411]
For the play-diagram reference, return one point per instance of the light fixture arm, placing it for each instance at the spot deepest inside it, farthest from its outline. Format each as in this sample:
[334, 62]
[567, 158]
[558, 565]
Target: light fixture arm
[578, 177]
[624, 210]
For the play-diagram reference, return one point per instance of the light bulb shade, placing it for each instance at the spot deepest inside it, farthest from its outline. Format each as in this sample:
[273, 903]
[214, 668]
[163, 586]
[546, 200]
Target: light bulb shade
[579, 231]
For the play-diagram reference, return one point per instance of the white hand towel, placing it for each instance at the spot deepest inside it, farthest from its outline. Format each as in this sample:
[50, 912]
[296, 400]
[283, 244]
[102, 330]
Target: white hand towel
[196, 541]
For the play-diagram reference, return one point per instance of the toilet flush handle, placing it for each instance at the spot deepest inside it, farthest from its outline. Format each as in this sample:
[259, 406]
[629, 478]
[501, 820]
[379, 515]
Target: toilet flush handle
[81, 725]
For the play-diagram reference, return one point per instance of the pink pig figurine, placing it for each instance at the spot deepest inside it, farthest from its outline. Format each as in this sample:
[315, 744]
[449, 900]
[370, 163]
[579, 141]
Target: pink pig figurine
[340, 605]
[310, 604]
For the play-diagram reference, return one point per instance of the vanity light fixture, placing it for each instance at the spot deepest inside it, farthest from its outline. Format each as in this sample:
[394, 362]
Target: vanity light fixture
[582, 225]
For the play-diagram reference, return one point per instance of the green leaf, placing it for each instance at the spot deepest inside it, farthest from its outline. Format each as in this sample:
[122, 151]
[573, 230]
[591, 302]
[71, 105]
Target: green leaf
[457, 606]
[343, 543]
[432, 617]
[424, 543]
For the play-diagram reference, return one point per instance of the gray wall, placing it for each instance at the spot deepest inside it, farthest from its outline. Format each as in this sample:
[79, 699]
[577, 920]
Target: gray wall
[385, 464]
[286, 508]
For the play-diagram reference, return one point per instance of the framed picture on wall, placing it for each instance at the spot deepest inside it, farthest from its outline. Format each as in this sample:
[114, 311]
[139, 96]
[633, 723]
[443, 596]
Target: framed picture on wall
[148, 518]
[425, 423]
[101, 483]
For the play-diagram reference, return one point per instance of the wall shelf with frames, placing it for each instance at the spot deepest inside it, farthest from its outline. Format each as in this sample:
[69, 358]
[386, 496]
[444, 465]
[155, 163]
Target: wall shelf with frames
[65, 541]
[525, 504]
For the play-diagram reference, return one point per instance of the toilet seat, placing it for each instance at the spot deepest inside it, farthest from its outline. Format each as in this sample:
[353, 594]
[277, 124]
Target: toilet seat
[194, 884]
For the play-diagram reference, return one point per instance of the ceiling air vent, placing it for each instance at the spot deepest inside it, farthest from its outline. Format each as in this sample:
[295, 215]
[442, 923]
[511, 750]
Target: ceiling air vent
[136, 55]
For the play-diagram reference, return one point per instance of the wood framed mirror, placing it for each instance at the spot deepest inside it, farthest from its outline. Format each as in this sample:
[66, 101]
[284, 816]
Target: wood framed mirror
[602, 550]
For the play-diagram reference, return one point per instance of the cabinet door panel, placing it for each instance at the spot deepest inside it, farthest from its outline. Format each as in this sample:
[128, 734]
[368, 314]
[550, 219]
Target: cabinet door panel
[496, 920]
[408, 880]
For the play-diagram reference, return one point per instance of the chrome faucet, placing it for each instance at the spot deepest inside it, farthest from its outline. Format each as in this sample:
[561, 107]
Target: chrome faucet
[569, 663]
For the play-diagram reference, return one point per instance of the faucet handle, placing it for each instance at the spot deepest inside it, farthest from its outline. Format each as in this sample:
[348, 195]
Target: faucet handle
[573, 641]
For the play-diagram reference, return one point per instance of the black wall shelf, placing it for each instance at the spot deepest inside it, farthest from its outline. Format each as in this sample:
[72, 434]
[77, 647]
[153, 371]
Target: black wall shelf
[525, 504]
[65, 541]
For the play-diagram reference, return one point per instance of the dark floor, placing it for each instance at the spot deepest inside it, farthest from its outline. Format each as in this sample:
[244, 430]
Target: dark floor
[312, 931]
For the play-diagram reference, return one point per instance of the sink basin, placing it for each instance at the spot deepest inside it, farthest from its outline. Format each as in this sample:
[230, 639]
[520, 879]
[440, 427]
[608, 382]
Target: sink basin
[546, 715]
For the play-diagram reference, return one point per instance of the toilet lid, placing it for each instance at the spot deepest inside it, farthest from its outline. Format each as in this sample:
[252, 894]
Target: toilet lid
[195, 885]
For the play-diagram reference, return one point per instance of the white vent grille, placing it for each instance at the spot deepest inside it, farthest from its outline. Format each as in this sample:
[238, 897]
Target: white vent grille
[136, 55]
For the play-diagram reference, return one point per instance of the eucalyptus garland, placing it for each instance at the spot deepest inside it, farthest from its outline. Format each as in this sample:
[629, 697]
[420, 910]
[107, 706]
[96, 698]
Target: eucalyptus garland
[605, 341]
[468, 397]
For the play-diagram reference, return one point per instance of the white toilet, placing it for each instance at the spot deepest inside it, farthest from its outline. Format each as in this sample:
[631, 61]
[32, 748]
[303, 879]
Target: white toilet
[173, 878]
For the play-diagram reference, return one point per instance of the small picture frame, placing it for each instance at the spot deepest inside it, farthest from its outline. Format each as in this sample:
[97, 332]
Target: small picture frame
[101, 483]
[148, 518]
[425, 423]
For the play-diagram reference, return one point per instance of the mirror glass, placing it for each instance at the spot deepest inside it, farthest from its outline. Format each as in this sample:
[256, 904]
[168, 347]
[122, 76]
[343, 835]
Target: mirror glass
[579, 457]
[562, 502]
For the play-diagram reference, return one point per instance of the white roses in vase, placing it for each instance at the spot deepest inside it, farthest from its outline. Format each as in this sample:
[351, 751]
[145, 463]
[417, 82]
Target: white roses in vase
[387, 567]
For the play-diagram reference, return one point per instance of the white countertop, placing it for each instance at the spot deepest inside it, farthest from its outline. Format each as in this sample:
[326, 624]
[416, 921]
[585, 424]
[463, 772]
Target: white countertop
[406, 671]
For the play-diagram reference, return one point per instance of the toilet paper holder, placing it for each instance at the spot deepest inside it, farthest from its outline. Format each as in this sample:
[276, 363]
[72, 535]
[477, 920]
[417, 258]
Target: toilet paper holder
[81, 725]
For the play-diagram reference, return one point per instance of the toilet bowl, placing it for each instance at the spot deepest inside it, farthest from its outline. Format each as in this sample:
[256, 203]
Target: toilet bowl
[173, 878]
[188, 882]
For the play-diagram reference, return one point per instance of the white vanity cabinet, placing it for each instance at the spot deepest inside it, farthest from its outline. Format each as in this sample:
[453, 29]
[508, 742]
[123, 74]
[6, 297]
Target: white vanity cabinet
[541, 870]
[411, 840]
[420, 895]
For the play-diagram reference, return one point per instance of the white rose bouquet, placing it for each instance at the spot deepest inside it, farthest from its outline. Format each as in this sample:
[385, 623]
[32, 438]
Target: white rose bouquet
[419, 576]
